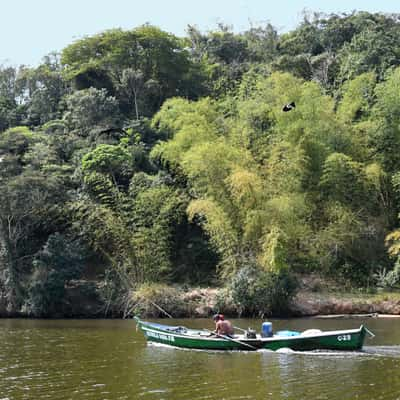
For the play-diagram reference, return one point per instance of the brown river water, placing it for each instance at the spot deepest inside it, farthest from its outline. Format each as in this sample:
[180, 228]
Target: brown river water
[110, 360]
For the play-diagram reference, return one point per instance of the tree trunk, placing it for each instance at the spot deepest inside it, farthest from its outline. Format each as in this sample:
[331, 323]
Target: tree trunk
[8, 279]
[136, 104]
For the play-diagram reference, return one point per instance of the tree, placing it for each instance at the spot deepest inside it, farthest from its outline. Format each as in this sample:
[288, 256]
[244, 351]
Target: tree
[190, 123]
[224, 55]
[156, 218]
[9, 115]
[24, 209]
[118, 162]
[262, 42]
[90, 111]
[41, 90]
[357, 98]
[31, 202]
[374, 49]
[383, 132]
[58, 262]
[100, 61]
[343, 180]
[132, 83]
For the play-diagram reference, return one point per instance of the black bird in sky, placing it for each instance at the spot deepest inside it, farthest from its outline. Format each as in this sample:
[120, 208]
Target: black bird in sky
[289, 107]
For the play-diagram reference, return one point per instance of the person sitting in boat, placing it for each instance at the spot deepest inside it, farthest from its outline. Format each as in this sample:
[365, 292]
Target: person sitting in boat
[222, 326]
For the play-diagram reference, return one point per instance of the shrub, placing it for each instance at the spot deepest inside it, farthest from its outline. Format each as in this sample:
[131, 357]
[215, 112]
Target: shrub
[388, 279]
[258, 292]
[156, 300]
[224, 302]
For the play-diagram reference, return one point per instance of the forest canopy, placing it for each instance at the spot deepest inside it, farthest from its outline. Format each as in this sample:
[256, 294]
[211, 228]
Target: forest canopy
[137, 157]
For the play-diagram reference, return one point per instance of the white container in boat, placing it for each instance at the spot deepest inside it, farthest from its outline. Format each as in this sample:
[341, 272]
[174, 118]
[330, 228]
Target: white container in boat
[266, 329]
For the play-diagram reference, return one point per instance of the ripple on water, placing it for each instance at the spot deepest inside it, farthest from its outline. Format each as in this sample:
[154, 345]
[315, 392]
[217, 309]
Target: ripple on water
[110, 363]
[383, 351]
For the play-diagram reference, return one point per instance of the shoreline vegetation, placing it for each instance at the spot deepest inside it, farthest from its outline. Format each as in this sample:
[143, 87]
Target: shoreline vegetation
[137, 167]
[308, 302]
[161, 301]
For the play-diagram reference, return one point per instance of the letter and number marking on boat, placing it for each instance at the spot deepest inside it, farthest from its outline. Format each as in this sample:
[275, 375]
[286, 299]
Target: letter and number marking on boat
[344, 338]
[161, 336]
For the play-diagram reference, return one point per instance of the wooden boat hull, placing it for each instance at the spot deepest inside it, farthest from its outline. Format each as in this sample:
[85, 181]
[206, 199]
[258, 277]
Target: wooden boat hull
[343, 340]
[199, 339]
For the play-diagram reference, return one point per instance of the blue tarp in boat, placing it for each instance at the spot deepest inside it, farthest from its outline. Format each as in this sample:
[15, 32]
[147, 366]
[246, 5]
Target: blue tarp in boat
[287, 333]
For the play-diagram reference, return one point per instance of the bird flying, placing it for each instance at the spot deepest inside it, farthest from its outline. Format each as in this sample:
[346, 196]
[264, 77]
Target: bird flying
[289, 107]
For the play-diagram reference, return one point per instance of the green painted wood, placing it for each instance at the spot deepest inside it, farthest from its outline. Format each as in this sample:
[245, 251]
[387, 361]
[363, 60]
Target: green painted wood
[348, 340]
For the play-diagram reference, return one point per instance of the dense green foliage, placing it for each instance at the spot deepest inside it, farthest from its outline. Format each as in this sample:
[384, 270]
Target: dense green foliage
[56, 264]
[260, 293]
[137, 157]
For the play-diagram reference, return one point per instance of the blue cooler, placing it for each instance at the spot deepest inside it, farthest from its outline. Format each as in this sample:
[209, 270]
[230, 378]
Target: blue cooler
[266, 329]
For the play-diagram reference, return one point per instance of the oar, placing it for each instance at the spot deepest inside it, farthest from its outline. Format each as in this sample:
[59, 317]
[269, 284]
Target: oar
[369, 332]
[232, 340]
[240, 329]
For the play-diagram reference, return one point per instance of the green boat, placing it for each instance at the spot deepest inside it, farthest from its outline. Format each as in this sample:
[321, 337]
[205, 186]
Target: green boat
[312, 339]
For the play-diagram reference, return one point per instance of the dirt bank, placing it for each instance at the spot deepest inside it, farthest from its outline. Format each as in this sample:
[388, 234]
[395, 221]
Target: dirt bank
[203, 302]
[82, 300]
[312, 304]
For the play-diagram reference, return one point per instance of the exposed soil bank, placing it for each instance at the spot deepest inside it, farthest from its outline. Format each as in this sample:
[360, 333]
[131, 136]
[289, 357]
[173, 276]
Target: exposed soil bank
[313, 304]
[80, 302]
[205, 302]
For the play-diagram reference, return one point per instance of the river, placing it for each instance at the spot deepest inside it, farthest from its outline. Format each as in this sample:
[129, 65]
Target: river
[110, 360]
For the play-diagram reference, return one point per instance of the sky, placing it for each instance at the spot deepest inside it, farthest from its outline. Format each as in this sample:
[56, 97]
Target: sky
[30, 29]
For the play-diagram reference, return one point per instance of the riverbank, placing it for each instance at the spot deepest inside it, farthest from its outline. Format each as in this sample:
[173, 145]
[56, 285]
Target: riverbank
[314, 298]
[346, 304]
[308, 302]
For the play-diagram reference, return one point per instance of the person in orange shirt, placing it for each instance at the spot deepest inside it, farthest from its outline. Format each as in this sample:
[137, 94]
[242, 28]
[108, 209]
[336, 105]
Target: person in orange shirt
[222, 326]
